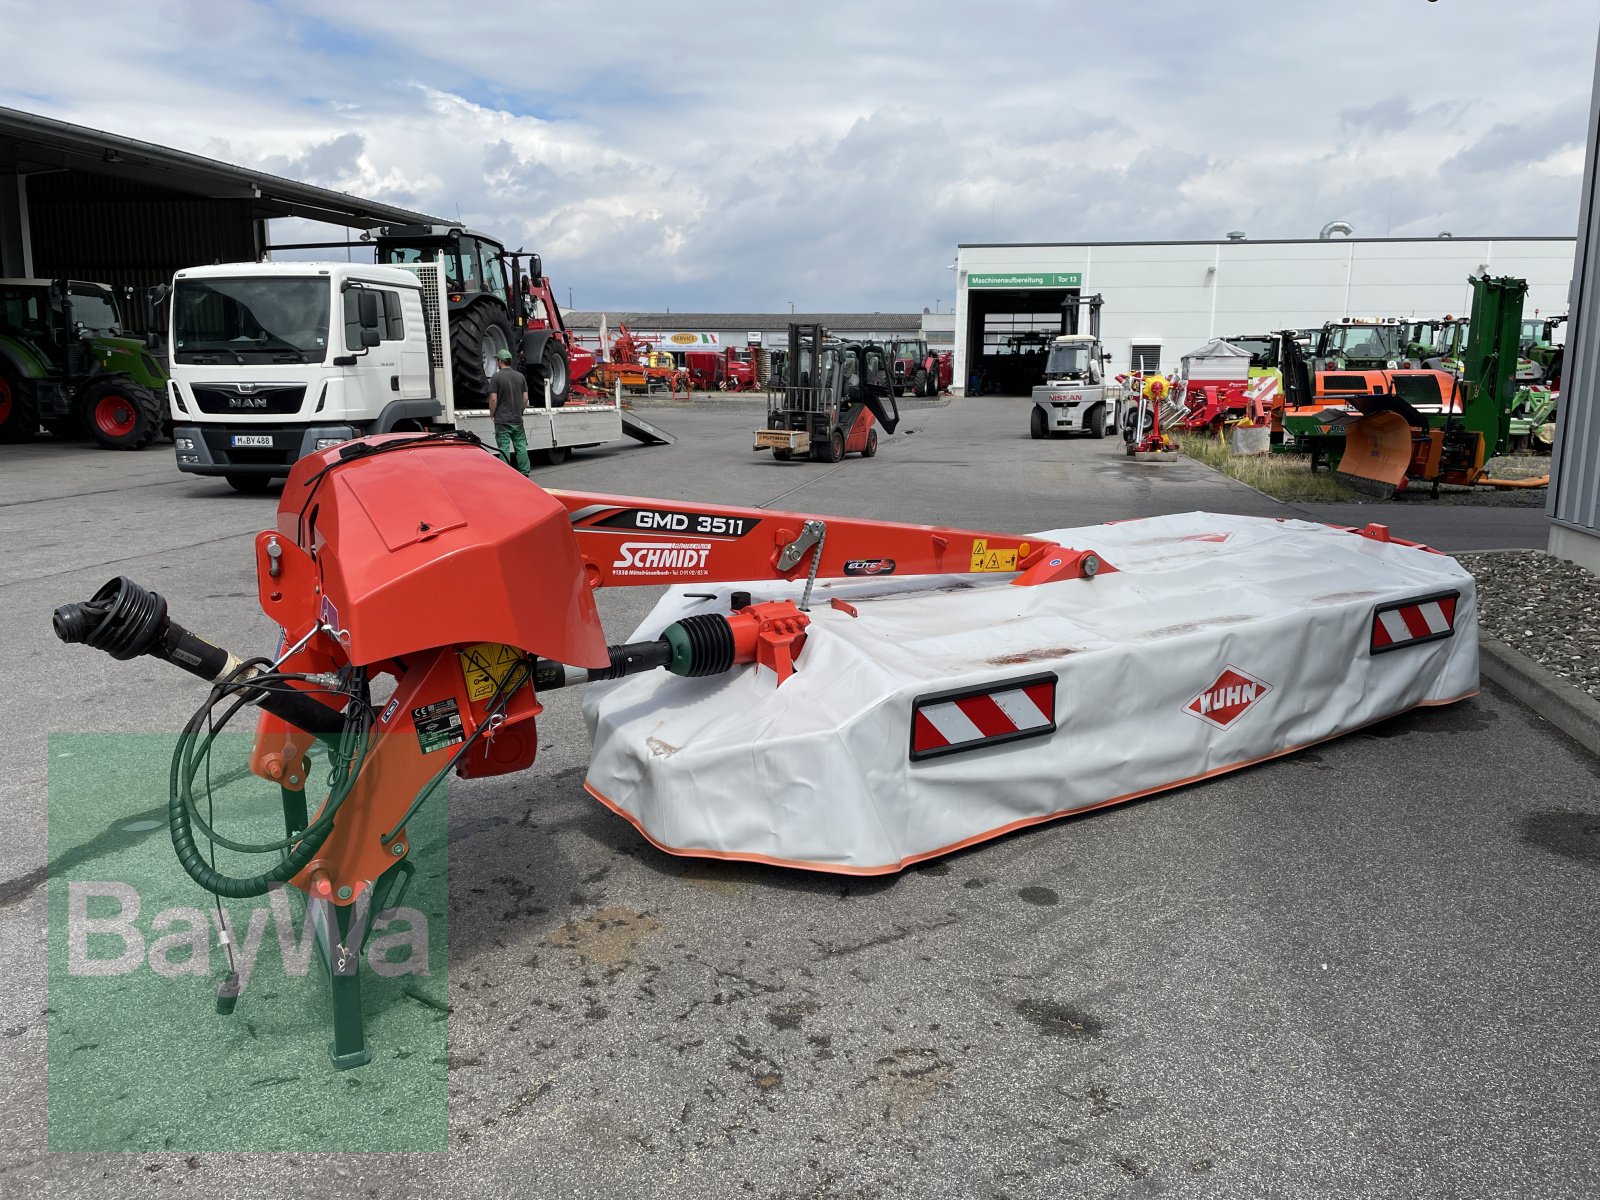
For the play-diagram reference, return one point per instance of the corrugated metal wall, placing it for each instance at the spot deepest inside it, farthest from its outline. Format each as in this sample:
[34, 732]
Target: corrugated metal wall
[124, 233]
[1575, 471]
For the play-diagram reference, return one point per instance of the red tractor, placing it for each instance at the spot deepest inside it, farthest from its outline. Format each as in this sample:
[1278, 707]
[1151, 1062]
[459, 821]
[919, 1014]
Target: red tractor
[494, 306]
[742, 368]
[915, 368]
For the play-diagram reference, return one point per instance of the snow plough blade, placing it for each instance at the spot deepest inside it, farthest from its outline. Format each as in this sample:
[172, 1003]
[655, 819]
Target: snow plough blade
[1377, 454]
[930, 714]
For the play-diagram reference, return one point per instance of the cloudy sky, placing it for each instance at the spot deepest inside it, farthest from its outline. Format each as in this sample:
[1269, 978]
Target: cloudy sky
[742, 156]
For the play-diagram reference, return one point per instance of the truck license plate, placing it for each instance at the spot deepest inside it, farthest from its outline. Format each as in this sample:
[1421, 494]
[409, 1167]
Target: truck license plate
[263, 440]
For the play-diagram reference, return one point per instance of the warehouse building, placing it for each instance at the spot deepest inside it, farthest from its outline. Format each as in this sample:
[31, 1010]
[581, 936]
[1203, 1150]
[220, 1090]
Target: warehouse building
[1163, 299]
[1574, 503]
[713, 331]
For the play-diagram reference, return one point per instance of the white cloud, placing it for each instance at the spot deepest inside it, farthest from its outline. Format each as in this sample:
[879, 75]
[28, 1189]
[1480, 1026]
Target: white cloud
[732, 155]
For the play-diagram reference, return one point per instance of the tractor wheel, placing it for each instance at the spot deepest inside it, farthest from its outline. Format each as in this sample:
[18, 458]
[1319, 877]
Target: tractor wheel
[1038, 426]
[1097, 421]
[249, 485]
[834, 450]
[19, 411]
[552, 366]
[780, 454]
[120, 414]
[919, 383]
[480, 333]
[872, 444]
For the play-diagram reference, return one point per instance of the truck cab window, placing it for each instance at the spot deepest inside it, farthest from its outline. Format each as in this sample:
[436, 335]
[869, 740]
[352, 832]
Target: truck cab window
[391, 325]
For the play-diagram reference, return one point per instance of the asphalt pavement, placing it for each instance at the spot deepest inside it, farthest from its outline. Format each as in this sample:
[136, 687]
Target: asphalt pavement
[1362, 970]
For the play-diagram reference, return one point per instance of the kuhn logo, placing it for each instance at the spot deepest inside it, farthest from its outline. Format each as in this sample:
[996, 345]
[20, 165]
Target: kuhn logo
[247, 401]
[869, 566]
[1226, 700]
[638, 558]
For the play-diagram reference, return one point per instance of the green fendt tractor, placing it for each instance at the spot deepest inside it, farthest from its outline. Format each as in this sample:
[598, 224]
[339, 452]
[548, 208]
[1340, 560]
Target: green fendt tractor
[67, 365]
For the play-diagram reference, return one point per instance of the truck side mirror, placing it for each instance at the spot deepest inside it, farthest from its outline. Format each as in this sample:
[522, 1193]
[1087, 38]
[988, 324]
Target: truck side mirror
[370, 338]
[367, 312]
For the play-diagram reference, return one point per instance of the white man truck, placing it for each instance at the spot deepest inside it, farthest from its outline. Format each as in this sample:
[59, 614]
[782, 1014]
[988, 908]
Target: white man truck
[273, 361]
[1075, 396]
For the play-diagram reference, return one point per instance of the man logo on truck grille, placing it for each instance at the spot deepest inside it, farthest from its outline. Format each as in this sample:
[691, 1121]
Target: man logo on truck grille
[661, 558]
[1226, 700]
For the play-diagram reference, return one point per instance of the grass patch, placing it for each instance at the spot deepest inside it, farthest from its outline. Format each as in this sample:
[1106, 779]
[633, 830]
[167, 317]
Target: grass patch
[1284, 476]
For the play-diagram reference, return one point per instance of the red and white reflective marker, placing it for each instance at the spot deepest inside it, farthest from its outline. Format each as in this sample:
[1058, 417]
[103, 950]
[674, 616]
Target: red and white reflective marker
[1227, 697]
[1411, 622]
[967, 718]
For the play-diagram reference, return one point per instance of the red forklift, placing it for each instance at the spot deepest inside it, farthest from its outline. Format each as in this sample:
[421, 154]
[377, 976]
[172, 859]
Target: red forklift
[832, 397]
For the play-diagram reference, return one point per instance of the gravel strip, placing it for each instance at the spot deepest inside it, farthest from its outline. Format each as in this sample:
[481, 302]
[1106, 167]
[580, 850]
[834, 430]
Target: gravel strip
[1546, 607]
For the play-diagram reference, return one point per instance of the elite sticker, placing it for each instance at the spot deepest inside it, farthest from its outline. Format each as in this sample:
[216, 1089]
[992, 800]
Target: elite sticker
[869, 566]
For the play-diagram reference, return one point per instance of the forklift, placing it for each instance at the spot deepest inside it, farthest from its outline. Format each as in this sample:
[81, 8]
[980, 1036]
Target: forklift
[831, 398]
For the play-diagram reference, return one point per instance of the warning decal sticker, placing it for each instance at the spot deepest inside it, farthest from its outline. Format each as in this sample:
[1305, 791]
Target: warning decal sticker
[485, 667]
[438, 725]
[985, 559]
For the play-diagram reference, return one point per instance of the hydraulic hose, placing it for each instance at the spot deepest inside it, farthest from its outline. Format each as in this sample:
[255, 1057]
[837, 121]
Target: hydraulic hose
[127, 621]
[188, 757]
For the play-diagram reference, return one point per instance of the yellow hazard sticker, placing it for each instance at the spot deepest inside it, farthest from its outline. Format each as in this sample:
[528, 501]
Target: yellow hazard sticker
[985, 559]
[485, 666]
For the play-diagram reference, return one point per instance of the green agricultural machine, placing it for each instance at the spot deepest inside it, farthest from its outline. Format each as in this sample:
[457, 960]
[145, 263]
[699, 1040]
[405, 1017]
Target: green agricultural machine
[1394, 442]
[67, 365]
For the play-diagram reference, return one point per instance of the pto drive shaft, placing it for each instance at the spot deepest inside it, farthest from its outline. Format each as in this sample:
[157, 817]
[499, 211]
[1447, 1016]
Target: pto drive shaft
[126, 621]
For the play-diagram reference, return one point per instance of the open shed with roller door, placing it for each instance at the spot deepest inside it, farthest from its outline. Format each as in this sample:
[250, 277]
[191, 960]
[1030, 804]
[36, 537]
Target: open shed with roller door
[87, 205]
[1009, 329]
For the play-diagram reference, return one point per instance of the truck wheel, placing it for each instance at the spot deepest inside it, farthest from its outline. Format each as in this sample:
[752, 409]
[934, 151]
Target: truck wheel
[779, 453]
[552, 366]
[249, 485]
[872, 444]
[1038, 426]
[19, 411]
[552, 456]
[1097, 421]
[120, 415]
[834, 451]
[475, 338]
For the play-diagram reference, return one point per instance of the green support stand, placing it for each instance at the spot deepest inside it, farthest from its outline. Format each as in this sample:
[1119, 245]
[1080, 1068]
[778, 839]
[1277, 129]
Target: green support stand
[343, 958]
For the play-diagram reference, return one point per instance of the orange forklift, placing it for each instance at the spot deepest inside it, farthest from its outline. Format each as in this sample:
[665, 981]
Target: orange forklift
[833, 396]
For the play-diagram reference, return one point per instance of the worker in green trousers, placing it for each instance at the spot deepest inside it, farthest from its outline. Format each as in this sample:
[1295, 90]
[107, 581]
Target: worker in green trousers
[508, 399]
